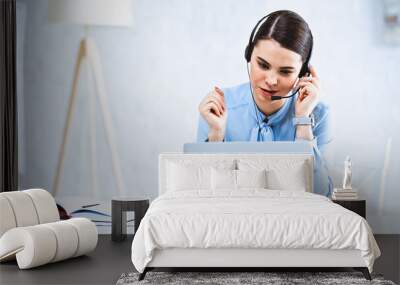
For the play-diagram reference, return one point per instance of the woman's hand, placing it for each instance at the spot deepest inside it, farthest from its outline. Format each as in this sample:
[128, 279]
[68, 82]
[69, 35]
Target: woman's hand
[212, 108]
[309, 94]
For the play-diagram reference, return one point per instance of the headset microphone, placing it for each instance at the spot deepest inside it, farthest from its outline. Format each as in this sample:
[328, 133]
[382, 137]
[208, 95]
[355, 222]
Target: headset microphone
[274, 97]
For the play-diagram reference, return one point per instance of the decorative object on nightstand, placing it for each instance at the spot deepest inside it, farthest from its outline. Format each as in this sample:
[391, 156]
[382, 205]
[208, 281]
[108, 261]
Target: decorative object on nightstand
[358, 206]
[347, 174]
[119, 207]
[346, 192]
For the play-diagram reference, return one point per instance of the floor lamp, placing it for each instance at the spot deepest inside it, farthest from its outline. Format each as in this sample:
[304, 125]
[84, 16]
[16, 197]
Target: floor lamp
[90, 13]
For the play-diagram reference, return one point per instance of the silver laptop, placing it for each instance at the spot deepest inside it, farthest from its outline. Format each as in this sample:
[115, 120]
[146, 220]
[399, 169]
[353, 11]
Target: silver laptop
[286, 147]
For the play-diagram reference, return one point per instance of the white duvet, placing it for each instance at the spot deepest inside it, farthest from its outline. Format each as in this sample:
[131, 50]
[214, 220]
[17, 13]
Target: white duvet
[250, 219]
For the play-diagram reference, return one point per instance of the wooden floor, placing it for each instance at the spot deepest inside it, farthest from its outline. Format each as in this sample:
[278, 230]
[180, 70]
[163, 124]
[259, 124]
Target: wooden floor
[111, 259]
[102, 266]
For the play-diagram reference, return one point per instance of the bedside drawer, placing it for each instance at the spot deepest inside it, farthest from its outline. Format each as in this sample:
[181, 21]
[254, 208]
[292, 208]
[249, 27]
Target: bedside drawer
[357, 206]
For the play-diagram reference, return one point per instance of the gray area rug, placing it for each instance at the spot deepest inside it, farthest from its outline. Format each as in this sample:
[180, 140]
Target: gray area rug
[228, 278]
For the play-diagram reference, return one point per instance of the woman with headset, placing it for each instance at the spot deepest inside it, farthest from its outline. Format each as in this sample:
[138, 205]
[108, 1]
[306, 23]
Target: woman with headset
[281, 101]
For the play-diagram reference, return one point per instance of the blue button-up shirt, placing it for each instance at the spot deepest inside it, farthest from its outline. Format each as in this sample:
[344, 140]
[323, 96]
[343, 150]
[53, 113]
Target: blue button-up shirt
[244, 121]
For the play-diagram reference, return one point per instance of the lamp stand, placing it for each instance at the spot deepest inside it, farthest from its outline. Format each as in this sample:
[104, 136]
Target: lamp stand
[88, 51]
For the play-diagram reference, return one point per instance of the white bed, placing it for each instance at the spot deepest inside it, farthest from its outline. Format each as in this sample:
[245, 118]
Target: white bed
[213, 212]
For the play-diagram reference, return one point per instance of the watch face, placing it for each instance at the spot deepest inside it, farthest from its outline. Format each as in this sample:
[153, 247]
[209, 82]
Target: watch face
[303, 121]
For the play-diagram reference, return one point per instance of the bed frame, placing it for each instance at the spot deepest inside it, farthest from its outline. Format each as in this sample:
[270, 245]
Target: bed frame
[248, 259]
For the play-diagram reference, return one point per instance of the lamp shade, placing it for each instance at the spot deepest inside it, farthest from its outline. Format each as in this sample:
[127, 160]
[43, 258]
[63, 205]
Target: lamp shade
[91, 12]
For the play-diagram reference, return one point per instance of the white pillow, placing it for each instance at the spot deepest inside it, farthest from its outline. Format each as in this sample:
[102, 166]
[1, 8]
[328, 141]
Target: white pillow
[223, 179]
[282, 173]
[228, 179]
[291, 179]
[181, 177]
[251, 178]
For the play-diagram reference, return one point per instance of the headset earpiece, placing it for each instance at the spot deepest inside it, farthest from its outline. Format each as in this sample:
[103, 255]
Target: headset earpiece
[247, 53]
[305, 70]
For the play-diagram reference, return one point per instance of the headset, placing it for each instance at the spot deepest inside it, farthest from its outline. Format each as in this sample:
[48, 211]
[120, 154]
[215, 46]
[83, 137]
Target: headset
[249, 50]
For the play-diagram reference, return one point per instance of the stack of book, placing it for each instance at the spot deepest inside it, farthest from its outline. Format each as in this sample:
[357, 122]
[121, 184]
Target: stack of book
[344, 194]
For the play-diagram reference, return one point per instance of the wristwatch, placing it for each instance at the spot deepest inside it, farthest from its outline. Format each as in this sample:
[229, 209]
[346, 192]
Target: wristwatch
[304, 121]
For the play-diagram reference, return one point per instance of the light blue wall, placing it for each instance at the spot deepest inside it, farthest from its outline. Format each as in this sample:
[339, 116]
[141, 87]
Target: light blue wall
[158, 71]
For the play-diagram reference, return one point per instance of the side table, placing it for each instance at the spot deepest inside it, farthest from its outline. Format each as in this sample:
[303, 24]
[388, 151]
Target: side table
[119, 207]
[357, 206]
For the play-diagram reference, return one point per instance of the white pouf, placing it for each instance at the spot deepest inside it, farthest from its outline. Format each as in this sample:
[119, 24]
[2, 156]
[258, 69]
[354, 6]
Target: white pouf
[31, 232]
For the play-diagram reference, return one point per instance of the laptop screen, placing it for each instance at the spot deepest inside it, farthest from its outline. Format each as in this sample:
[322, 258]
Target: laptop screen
[278, 147]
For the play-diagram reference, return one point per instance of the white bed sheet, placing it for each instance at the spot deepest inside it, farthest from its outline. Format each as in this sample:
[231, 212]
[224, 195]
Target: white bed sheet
[251, 218]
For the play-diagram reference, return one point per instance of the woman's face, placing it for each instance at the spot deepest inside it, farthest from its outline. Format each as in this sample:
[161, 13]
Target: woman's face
[273, 71]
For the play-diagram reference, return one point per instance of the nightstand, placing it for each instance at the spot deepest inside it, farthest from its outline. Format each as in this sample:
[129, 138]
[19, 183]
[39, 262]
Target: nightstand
[357, 206]
[119, 207]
